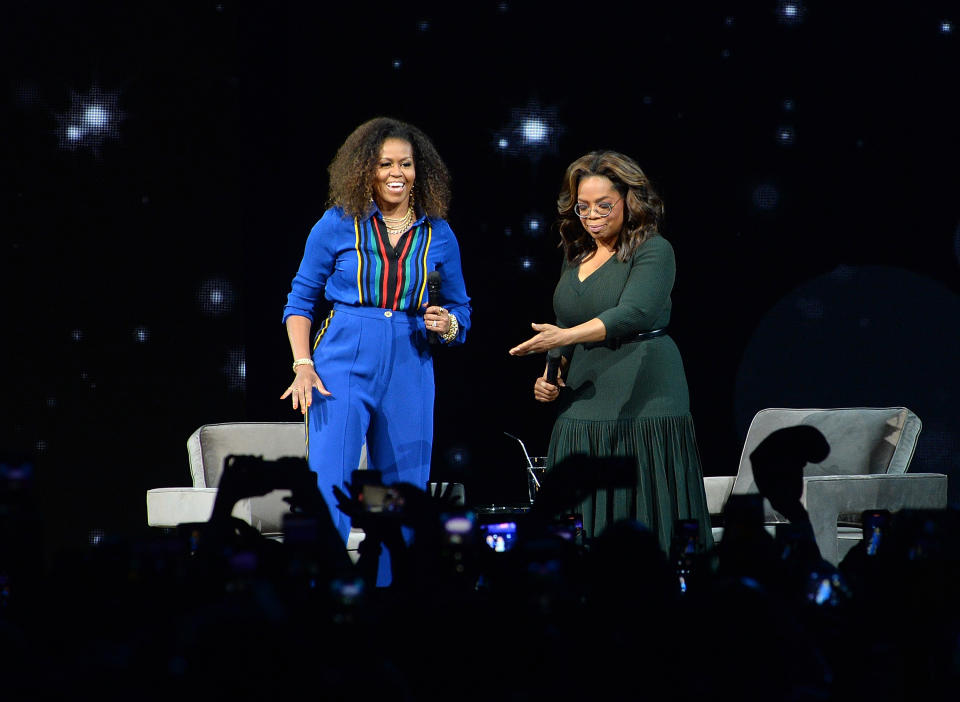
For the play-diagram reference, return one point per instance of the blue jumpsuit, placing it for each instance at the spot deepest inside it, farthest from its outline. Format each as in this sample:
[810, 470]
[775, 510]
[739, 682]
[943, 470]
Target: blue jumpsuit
[372, 350]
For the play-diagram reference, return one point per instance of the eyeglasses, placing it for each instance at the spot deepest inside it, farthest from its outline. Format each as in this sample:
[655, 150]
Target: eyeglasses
[603, 209]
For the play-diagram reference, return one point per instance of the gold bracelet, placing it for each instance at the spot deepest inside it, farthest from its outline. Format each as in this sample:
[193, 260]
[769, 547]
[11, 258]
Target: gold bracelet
[451, 333]
[302, 362]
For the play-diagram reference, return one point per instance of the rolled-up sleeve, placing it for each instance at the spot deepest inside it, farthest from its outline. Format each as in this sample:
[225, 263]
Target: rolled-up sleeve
[319, 256]
[646, 295]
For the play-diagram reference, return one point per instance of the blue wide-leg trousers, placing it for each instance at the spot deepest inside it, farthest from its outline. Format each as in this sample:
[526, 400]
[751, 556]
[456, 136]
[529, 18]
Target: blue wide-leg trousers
[378, 366]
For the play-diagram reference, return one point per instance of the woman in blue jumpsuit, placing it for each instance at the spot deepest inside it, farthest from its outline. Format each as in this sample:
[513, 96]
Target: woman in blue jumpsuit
[367, 376]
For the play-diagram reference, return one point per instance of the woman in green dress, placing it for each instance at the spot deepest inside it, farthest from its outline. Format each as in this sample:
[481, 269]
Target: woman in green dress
[621, 387]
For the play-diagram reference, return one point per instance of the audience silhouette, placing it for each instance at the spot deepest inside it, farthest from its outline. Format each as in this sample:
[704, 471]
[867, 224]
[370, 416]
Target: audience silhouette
[550, 613]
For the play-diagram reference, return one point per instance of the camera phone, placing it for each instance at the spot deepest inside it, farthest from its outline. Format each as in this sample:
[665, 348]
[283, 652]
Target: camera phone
[500, 536]
[381, 498]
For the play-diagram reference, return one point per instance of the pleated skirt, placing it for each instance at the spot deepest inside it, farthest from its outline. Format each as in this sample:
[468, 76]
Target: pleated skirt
[669, 478]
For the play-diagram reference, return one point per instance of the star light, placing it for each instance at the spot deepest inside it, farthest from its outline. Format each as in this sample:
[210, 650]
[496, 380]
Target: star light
[533, 130]
[216, 297]
[91, 120]
[236, 369]
[533, 225]
[786, 136]
[458, 456]
[790, 12]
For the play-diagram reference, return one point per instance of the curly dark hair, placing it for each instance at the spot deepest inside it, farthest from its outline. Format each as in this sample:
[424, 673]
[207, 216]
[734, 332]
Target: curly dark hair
[644, 208]
[352, 169]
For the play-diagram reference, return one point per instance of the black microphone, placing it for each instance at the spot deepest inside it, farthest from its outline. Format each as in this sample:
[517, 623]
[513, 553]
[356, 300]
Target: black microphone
[433, 297]
[433, 288]
[553, 365]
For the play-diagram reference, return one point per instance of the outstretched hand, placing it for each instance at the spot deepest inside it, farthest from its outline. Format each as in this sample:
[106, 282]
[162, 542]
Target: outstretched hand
[301, 389]
[548, 337]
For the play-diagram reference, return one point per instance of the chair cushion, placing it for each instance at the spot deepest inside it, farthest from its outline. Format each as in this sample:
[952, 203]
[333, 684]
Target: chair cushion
[167, 507]
[209, 445]
[863, 440]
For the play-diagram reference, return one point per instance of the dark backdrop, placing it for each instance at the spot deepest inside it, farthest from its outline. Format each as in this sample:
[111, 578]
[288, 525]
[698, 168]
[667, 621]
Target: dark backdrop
[807, 155]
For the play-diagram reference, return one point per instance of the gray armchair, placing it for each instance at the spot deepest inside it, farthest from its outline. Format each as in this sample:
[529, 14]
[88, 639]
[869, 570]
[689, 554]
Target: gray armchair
[870, 453]
[207, 448]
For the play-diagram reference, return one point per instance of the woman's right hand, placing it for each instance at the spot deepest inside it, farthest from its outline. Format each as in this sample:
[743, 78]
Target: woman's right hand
[545, 391]
[301, 389]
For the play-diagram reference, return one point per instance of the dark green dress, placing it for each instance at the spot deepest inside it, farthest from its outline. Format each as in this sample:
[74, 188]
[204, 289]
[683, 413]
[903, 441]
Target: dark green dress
[630, 399]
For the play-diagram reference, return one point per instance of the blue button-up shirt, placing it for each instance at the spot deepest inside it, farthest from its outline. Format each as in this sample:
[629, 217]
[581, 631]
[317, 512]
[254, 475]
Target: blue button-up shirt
[350, 261]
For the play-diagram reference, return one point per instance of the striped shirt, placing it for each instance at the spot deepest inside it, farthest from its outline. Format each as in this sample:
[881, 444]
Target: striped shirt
[350, 261]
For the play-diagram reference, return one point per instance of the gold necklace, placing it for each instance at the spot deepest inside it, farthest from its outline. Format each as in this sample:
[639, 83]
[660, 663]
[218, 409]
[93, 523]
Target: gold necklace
[401, 223]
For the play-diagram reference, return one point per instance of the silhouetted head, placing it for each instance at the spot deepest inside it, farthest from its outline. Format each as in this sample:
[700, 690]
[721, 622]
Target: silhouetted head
[778, 463]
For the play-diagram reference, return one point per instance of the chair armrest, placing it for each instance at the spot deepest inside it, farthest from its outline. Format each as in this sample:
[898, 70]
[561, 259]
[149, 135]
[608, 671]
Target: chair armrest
[168, 507]
[718, 489]
[826, 497]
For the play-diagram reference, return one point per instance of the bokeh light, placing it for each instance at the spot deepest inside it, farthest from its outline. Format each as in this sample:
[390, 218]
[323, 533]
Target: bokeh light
[216, 297]
[236, 369]
[533, 225]
[790, 12]
[92, 119]
[786, 136]
[458, 456]
[532, 132]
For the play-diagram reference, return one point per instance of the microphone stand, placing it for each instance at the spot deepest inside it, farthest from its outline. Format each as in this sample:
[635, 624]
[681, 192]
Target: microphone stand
[529, 462]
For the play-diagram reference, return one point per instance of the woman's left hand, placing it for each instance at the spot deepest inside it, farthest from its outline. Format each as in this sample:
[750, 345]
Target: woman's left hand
[548, 337]
[437, 320]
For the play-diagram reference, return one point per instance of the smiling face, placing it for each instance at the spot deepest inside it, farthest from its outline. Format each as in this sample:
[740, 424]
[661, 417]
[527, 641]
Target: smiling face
[593, 191]
[394, 176]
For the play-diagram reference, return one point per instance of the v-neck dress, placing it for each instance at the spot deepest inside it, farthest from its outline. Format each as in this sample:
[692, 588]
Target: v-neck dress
[630, 399]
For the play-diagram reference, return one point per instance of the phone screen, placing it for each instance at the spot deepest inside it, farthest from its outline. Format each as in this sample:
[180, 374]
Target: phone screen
[381, 498]
[459, 528]
[500, 536]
